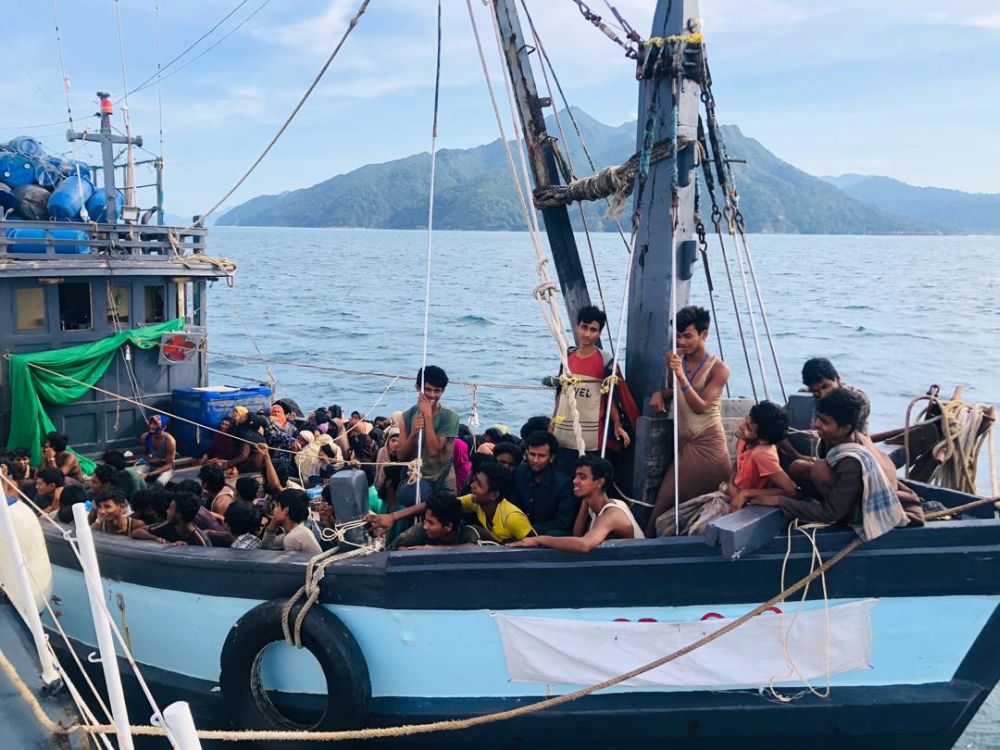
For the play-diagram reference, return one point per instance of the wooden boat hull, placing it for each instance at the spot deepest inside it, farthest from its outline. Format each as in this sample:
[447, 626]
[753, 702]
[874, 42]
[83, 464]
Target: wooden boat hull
[425, 623]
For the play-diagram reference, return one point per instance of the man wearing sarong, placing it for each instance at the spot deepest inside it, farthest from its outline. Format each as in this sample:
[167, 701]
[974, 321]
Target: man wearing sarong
[849, 485]
[703, 460]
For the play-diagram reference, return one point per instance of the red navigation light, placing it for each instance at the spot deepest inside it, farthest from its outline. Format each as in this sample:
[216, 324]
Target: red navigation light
[105, 105]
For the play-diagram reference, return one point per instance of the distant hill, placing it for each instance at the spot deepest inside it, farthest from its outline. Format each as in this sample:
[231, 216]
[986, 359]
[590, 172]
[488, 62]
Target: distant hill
[953, 210]
[475, 191]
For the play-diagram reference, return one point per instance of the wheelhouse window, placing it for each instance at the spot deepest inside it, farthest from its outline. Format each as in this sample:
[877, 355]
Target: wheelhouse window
[75, 307]
[156, 304]
[30, 303]
[118, 306]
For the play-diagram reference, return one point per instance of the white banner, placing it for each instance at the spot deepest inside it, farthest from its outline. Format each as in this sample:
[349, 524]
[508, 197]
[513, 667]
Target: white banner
[779, 647]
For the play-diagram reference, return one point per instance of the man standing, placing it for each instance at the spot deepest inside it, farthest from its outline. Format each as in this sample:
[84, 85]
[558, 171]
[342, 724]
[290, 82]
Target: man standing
[437, 427]
[543, 491]
[588, 365]
[703, 460]
[599, 518]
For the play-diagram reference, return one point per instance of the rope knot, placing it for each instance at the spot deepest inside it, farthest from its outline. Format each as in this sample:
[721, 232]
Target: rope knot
[606, 384]
[569, 380]
[413, 470]
[545, 291]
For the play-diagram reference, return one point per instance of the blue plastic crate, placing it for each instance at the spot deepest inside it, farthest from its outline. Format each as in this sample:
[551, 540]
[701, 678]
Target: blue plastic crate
[207, 406]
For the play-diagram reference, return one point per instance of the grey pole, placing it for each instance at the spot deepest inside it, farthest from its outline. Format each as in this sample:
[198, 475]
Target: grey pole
[650, 329]
[107, 140]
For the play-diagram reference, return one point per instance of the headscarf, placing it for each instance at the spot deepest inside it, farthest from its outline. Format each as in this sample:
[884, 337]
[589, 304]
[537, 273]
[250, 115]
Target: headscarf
[383, 457]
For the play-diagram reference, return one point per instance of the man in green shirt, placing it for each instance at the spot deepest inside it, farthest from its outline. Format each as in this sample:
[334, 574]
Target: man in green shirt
[433, 427]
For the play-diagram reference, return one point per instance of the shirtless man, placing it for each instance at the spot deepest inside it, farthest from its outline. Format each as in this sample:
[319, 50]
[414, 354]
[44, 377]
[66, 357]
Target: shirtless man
[702, 451]
[56, 455]
[600, 517]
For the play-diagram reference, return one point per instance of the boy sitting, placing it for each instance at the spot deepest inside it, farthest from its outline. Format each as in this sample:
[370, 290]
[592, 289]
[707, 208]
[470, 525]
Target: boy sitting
[757, 474]
[442, 526]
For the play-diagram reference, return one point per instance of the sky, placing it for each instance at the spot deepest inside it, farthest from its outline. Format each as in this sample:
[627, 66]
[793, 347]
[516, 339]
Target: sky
[905, 88]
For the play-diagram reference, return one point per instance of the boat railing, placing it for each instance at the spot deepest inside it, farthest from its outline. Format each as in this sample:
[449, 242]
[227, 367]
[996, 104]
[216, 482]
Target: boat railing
[36, 240]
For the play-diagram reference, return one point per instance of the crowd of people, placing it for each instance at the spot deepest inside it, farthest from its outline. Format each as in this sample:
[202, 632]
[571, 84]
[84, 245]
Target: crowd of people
[264, 480]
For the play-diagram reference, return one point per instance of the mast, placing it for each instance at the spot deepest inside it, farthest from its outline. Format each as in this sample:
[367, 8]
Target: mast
[542, 158]
[107, 140]
[649, 333]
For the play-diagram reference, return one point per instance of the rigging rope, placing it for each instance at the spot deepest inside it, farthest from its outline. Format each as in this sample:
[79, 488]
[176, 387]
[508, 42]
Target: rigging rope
[545, 292]
[355, 19]
[130, 162]
[208, 49]
[159, 93]
[186, 50]
[430, 253]
[547, 63]
[570, 172]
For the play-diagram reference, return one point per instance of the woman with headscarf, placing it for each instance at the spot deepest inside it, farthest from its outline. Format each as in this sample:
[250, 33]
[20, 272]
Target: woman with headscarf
[318, 451]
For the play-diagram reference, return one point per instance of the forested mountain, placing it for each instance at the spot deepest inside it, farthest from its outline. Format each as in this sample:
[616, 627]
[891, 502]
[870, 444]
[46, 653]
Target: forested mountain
[475, 191]
[953, 210]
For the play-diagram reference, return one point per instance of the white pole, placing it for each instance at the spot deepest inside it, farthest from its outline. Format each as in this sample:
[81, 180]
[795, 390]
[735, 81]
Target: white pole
[105, 642]
[675, 413]
[19, 565]
[180, 723]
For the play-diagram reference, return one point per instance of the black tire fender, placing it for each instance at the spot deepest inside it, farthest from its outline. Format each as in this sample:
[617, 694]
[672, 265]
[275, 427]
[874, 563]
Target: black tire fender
[326, 637]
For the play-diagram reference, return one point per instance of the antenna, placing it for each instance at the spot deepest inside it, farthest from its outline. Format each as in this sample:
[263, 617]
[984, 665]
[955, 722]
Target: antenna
[108, 140]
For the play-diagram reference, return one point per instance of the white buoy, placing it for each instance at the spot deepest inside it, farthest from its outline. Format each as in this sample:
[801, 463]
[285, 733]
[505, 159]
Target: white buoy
[26, 560]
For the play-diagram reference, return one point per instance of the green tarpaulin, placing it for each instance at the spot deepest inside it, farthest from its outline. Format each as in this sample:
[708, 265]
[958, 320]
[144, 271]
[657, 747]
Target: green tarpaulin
[31, 388]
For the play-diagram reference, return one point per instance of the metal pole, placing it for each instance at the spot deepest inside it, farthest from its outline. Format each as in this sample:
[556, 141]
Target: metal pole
[159, 192]
[50, 676]
[102, 626]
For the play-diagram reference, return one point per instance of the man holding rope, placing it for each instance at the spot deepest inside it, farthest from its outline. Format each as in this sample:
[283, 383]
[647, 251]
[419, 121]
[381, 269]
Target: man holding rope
[703, 460]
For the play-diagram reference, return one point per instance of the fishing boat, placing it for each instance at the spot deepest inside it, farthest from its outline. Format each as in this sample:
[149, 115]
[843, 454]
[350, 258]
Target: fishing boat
[893, 645]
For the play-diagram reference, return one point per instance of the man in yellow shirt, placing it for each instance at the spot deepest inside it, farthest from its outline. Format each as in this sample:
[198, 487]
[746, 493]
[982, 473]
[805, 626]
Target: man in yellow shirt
[500, 519]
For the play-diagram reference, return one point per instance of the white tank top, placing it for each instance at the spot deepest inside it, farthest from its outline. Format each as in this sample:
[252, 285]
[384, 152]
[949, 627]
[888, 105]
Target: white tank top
[622, 506]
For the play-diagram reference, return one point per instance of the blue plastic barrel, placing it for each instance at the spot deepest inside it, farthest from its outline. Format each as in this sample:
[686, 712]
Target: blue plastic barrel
[16, 169]
[28, 233]
[98, 203]
[47, 174]
[26, 145]
[67, 199]
[207, 406]
[72, 166]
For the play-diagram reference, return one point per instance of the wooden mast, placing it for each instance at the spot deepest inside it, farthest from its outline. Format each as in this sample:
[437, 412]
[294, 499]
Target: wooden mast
[650, 330]
[541, 158]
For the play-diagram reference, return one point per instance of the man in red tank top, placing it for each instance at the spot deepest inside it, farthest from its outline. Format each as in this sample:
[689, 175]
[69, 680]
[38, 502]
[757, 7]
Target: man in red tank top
[587, 362]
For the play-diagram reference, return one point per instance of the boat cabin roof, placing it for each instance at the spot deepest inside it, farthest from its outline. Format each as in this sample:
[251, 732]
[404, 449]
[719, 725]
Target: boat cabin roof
[42, 248]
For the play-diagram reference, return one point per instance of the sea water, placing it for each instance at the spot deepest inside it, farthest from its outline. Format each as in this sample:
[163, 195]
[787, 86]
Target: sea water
[894, 314]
